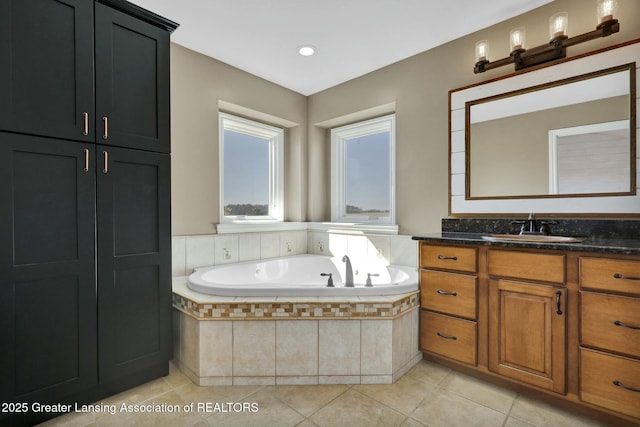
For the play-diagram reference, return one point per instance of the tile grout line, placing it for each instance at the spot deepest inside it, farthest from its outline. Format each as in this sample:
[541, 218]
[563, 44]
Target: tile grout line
[506, 419]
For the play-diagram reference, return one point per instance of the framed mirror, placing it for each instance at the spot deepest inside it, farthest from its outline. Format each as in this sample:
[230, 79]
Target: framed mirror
[566, 138]
[559, 139]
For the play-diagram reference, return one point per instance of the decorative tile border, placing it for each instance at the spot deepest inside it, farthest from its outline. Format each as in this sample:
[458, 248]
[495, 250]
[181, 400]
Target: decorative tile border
[353, 308]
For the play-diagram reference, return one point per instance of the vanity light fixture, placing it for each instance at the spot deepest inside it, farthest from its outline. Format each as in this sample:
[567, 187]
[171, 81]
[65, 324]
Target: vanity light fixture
[306, 50]
[556, 48]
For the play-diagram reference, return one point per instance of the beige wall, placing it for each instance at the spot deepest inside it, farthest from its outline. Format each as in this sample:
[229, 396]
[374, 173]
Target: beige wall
[419, 86]
[198, 85]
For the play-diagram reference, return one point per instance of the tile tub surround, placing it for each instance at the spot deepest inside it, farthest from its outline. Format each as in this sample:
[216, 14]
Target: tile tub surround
[279, 340]
[189, 252]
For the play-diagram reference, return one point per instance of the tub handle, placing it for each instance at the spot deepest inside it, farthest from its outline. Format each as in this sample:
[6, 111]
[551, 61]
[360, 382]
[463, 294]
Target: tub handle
[329, 280]
[368, 284]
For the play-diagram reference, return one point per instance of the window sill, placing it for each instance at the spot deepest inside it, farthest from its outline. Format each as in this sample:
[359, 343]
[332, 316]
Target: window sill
[248, 226]
[353, 228]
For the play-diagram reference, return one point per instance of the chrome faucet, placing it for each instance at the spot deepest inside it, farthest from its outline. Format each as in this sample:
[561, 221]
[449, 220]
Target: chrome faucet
[349, 272]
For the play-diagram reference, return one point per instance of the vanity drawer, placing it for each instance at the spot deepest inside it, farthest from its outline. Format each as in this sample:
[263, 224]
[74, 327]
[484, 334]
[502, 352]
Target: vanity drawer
[600, 322]
[599, 374]
[448, 293]
[448, 336]
[527, 265]
[449, 257]
[610, 274]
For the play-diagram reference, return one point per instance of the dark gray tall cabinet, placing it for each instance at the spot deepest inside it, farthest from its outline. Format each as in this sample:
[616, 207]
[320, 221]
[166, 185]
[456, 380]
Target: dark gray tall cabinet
[85, 245]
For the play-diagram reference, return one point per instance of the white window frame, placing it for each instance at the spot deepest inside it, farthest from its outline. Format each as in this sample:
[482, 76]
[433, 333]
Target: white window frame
[339, 136]
[275, 136]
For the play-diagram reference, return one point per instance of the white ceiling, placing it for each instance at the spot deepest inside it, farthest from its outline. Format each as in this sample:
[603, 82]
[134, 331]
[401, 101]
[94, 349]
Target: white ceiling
[352, 37]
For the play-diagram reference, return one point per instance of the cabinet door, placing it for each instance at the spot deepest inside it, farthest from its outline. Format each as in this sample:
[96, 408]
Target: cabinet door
[46, 68]
[527, 333]
[134, 262]
[47, 286]
[132, 82]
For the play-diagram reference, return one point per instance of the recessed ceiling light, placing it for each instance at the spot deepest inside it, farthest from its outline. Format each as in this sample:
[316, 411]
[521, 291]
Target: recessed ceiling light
[306, 50]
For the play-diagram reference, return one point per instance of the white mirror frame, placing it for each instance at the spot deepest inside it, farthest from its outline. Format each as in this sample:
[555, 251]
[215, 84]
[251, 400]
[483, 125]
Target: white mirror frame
[607, 206]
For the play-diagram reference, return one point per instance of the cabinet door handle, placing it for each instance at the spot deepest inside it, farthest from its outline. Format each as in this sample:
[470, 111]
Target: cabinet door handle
[441, 292]
[85, 118]
[105, 122]
[619, 323]
[105, 162]
[619, 384]
[86, 160]
[447, 337]
[622, 276]
[558, 302]
[453, 258]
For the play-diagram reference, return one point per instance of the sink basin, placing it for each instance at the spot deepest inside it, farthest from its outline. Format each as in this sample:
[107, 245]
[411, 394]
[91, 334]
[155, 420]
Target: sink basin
[532, 238]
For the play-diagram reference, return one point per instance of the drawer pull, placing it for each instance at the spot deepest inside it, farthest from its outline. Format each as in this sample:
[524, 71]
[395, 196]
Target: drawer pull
[626, 387]
[619, 323]
[558, 302]
[447, 337]
[441, 292]
[622, 276]
[453, 258]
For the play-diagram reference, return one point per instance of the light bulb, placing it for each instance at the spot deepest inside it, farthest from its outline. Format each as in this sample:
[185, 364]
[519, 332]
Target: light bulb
[516, 38]
[606, 10]
[558, 24]
[482, 51]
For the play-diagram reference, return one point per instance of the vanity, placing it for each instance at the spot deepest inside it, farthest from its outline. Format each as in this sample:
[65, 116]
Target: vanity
[556, 317]
[559, 320]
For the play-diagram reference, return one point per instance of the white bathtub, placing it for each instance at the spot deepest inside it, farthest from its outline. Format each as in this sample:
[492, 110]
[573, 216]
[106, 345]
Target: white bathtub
[300, 276]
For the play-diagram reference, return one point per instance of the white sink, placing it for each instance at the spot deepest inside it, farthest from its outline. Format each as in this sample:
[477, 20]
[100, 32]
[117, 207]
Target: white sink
[532, 238]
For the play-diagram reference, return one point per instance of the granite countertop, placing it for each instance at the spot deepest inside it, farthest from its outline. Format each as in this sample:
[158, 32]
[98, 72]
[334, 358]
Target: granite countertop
[602, 245]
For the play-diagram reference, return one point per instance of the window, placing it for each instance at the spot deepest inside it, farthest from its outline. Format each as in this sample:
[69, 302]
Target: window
[363, 172]
[251, 163]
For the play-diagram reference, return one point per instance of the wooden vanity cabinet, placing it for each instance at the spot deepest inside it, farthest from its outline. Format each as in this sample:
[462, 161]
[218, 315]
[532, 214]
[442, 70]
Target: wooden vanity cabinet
[527, 326]
[610, 333]
[448, 301]
[561, 325]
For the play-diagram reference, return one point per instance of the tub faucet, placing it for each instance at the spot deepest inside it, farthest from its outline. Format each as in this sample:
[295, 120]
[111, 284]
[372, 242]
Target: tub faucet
[349, 272]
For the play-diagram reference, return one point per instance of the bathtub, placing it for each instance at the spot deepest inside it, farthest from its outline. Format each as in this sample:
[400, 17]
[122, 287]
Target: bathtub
[299, 275]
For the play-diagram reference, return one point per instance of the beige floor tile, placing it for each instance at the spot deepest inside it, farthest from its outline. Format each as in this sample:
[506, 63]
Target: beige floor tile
[139, 394]
[308, 399]
[176, 378]
[447, 409]
[161, 418]
[541, 414]
[428, 372]
[404, 395]
[514, 422]
[306, 423]
[192, 393]
[355, 409]
[71, 420]
[270, 411]
[481, 392]
[410, 422]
